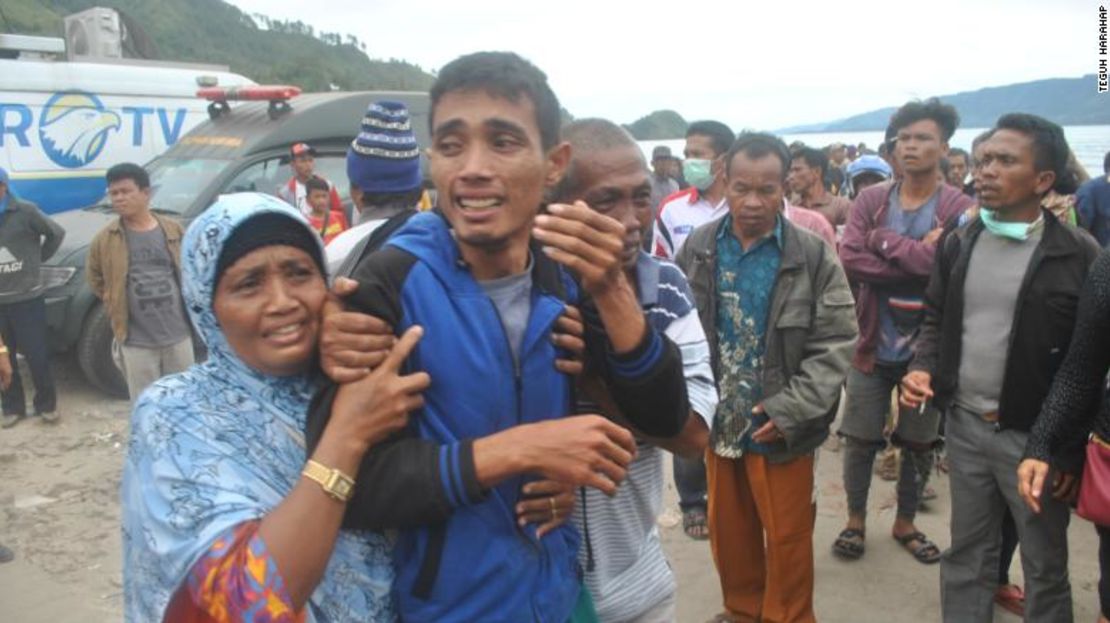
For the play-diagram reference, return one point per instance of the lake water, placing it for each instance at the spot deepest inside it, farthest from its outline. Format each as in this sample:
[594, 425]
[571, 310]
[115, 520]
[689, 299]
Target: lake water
[1089, 142]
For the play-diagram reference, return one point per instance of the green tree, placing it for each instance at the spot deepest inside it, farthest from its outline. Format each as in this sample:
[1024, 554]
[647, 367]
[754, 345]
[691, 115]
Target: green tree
[659, 125]
[212, 31]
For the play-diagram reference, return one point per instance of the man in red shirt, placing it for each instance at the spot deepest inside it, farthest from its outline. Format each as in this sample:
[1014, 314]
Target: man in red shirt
[302, 159]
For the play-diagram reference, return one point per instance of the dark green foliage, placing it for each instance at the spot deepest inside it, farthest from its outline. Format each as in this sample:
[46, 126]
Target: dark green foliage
[213, 31]
[659, 125]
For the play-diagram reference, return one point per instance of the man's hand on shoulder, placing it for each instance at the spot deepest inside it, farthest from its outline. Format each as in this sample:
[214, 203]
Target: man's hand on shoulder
[351, 344]
[569, 335]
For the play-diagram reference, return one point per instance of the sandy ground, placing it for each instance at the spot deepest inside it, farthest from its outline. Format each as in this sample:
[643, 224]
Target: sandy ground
[59, 508]
[59, 511]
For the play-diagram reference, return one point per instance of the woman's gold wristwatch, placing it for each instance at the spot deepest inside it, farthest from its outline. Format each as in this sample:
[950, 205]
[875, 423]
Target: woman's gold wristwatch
[334, 482]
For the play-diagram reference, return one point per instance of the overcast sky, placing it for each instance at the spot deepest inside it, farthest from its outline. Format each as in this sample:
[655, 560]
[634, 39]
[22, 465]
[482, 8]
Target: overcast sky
[762, 65]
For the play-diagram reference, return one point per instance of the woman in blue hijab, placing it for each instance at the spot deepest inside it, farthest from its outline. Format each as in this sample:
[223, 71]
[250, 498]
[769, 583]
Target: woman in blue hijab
[224, 516]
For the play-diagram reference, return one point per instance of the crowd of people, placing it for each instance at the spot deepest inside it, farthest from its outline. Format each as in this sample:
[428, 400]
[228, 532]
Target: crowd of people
[462, 413]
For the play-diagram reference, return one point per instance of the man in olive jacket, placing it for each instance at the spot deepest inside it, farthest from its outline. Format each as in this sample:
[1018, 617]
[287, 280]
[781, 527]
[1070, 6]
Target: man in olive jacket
[780, 321]
[134, 268]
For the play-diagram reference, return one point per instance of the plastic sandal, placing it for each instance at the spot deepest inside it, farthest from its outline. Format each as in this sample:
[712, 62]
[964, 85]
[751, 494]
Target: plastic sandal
[845, 547]
[1011, 598]
[927, 553]
[695, 524]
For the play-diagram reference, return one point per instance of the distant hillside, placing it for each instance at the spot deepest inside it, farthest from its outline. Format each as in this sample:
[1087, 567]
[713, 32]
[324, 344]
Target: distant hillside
[212, 31]
[659, 125]
[1067, 101]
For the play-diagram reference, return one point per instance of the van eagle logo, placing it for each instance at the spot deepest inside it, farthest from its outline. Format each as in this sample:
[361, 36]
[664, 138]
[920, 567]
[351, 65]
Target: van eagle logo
[74, 128]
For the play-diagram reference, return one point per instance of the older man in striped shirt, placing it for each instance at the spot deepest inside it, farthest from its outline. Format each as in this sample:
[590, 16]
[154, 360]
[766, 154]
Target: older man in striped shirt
[626, 572]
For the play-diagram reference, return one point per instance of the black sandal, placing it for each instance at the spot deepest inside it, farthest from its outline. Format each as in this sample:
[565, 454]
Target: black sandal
[847, 548]
[695, 524]
[927, 553]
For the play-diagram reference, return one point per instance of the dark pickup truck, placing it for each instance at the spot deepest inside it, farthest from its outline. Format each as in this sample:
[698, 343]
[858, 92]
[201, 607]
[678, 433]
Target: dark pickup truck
[243, 149]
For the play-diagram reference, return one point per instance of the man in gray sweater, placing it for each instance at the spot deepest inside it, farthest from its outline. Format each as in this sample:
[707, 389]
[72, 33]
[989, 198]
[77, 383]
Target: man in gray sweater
[27, 237]
[1000, 312]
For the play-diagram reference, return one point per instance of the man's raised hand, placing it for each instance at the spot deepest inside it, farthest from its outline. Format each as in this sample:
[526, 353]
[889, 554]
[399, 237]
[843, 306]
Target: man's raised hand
[586, 242]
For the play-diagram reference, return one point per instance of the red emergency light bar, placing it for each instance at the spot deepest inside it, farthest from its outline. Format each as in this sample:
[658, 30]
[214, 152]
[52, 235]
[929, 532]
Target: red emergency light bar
[260, 92]
[277, 94]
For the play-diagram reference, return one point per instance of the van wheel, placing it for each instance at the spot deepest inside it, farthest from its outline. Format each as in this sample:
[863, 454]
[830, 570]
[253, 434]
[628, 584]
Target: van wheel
[94, 354]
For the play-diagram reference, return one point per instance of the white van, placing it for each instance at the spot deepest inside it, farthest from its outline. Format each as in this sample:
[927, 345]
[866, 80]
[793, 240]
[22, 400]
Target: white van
[63, 123]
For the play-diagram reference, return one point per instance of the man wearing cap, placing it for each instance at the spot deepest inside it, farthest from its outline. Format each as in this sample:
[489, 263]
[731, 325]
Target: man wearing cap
[27, 237]
[302, 159]
[383, 165]
[662, 184]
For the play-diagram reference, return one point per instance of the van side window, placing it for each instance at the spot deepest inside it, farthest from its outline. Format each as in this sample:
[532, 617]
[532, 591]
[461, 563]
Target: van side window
[261, 177]
[333, 168]
[266, 176]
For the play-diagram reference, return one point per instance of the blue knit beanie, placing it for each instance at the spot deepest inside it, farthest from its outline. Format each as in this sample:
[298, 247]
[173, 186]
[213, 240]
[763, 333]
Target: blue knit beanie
[384, 157]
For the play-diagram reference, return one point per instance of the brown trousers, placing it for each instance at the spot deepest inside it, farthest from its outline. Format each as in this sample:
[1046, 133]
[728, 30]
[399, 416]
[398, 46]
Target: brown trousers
[761, 518]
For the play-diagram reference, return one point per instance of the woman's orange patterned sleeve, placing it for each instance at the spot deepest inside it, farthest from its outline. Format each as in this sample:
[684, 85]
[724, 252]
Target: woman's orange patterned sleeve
[235, 581]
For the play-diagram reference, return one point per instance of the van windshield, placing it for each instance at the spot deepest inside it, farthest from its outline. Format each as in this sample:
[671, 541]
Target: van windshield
[175, 182]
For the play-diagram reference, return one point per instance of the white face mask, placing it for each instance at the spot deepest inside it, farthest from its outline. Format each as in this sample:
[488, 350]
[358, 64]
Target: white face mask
[698, 172]
[1006, 229]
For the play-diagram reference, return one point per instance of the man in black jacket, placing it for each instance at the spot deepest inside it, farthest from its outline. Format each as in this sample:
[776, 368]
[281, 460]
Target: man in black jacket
[1000, 309]
[27, 237]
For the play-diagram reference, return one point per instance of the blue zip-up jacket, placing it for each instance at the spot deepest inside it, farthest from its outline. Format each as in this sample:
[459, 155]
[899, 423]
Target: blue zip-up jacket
[460, 555]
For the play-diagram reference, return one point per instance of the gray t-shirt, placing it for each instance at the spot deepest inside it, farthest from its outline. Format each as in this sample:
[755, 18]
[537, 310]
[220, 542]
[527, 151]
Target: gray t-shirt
[994, 275]
[902, 307]
[512, 296]
[156, 315]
